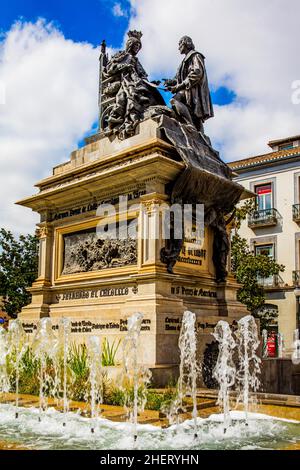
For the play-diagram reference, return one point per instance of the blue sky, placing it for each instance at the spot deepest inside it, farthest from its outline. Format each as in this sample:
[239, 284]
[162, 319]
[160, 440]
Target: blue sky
[80, 20]
[49, 76]
[84, 21]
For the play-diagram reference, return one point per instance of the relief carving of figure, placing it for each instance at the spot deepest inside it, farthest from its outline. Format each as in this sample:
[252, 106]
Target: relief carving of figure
[85, 252]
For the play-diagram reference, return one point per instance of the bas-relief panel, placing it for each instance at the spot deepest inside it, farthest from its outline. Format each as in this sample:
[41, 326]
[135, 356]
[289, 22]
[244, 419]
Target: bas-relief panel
[84, 251]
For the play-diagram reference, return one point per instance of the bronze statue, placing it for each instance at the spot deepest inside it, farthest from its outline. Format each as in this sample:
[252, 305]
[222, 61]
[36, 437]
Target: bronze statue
[192, 101]
[126, 98]
[128, 89]
[221, 247]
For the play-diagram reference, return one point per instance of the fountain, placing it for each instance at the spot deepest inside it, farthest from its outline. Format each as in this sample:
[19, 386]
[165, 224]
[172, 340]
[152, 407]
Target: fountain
[53, 354]
[296, 348]
[45, 346]
[189, 369]
[64, 345]
[264, 335]
[95, 377]
[225, 370]
[249, 363]
[134, 373]
[4, 350]
[18, 344]
[280, 341]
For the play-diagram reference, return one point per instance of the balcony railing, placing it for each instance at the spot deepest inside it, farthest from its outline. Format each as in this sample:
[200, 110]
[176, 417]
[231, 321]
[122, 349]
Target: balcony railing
[263, 218]
[272, 281]
[296, 278]
[296, 212]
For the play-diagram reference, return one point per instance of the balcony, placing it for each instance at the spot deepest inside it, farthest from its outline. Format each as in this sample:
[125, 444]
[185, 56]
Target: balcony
[263, 218]
[272, 282]
[296, 213]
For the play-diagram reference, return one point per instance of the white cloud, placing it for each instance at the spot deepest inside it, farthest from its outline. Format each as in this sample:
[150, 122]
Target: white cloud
[251, 47]
[50, 83]
[119, 11]
[50, 102]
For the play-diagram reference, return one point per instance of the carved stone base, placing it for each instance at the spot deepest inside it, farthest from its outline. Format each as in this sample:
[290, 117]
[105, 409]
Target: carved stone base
[100, 285]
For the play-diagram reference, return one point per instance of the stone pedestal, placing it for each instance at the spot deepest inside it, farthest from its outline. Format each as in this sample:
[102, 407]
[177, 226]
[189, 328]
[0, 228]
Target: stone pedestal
[99, 286]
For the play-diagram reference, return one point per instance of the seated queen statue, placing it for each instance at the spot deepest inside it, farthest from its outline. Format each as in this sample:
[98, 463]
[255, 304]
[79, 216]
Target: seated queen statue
[130, 92]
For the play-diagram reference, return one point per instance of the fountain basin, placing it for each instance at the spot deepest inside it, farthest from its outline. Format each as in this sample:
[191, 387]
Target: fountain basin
[267, 429]
[262, 433]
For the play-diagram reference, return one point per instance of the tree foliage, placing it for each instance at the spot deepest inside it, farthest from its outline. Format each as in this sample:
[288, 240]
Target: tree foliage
[18, 269]
[248, 268]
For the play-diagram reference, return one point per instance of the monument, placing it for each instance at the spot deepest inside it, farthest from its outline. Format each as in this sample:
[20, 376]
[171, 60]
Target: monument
[152, 156]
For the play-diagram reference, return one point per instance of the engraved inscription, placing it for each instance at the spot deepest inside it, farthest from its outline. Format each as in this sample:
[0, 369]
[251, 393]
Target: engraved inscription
[193, 292]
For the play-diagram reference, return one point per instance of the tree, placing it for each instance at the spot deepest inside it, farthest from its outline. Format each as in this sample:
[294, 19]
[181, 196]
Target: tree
[248, 268]
[18, 270]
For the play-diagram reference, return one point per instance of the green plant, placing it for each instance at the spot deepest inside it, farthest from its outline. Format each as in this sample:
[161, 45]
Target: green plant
[109, 352]
[249, 267]
[78, 363]
[114, 396]
[18, 270]
[157, 401]
[29, 370]
[78, 359]
[154, 401]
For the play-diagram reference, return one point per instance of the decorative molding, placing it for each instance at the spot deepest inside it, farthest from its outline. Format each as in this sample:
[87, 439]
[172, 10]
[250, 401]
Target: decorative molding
[43, 232]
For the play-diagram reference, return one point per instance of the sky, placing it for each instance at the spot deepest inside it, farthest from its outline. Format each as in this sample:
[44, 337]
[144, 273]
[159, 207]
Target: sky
[49, 76]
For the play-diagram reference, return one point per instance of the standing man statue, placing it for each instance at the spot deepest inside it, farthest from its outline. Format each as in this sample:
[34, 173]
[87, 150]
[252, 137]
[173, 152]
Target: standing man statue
[192, 101]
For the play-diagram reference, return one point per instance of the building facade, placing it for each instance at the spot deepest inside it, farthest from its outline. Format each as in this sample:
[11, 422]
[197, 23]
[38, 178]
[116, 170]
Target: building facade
[274, 228]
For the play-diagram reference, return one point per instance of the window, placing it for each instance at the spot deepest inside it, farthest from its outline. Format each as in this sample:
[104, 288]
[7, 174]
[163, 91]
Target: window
[266, 250]
[264, 197]
[285, 147]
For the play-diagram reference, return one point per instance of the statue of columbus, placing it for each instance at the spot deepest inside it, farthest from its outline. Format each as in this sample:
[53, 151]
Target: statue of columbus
[192, 101]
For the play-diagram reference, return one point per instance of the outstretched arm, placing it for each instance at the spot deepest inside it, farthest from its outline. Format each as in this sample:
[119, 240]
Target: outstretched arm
[169, 83]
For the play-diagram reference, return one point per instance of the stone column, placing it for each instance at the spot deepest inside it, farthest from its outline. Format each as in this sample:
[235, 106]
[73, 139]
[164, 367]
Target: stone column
[151, 229]
[45, 234]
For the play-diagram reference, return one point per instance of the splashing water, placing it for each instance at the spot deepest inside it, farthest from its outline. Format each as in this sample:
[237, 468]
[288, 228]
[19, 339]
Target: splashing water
[249, 363]
[226, 430]
[4, 350]
[264, 343]
[263, 432]
[281, 347]
[64, 346]
[225, 370]
[45, 346]
[134, 373]
[18, 344]
[296, 348]
[189, 369]
[95, 377]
